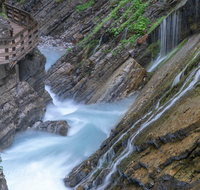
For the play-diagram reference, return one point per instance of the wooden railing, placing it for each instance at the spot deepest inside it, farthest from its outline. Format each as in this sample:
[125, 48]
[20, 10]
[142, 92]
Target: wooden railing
[14, 48]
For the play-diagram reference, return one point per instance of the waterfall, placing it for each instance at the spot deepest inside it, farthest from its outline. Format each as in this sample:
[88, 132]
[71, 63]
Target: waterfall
[106, 158]
[168, 36]
[97, 45]
[124, 34]
[158, 112]
[178, 77]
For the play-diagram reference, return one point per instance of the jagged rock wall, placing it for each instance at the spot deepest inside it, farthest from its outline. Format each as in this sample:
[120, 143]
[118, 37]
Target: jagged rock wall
[32, 70]
[101, 78]
[154, 161]
[22, 103]
[20, 106]
[49, 13]
[3, 185]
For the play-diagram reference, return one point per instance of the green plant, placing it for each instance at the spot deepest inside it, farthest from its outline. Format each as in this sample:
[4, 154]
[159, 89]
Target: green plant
[85, 74]
[105, 164]
[111, 15]
[97, 173]
[21, 1]
[84, 6]
[156, 24]
[1, 167]
[69, 49]
[136, 21]
[3, 12]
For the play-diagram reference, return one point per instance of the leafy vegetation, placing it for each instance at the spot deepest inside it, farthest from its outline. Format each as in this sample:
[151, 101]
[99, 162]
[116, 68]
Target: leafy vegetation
[136, 21]
[3, 12]
[21, 1]
[156, 24]
[85, 6]
[69, 49]
[1, 168]
[111, 15]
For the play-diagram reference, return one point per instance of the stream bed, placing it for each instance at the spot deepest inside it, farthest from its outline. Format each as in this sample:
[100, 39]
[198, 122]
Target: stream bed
[40, 160]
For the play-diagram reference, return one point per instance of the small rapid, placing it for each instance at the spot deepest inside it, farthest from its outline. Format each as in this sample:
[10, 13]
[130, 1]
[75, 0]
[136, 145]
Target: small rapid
[40, 160]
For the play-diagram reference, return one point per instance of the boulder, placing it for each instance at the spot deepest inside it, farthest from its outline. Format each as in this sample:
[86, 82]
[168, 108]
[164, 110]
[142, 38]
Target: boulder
[57, 127]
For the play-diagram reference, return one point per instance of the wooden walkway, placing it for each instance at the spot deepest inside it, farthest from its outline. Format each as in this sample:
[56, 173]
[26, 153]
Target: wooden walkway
[24, 36]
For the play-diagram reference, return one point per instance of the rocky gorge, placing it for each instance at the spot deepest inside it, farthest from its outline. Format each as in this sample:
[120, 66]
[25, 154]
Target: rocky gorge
[120, 49]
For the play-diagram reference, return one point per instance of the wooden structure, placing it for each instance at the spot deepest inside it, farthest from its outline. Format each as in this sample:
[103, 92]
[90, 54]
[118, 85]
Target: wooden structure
[24, 36]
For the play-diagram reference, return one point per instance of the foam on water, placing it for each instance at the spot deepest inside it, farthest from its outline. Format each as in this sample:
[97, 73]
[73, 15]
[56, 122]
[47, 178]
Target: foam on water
[52, 55]
[40, 160]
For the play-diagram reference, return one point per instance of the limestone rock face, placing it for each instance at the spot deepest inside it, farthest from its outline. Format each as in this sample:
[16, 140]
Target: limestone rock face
[3, 185]
[20, 107]
[32, 70]
[50, 14]
[125, 80]
[57, 127]
[108, 78]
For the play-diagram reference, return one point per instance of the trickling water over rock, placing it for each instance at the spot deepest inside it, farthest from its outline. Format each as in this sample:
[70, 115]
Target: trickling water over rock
[113, 77]
[163, 122]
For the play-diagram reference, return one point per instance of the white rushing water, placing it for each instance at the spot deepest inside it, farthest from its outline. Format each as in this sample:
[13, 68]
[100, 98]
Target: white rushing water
[169, 37]
[40, 160]
[155, 116]
[52, 55]
[159, 111]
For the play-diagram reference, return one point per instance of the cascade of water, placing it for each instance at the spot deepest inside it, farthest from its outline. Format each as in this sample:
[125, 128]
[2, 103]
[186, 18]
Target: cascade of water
[129, 149]
[178, 77]
[169, 33]
[98, 45]
[124, 34]
[169, 37]
[106, 158]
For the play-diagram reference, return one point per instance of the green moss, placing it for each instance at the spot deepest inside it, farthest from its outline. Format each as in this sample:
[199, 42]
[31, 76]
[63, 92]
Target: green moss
[175, 89]
[3, 12]
[139, 26]
[119, 145]
[159, 20]
[85, 74]
[126, 161]
[1, 167]
[85, 6]
[69, 49]
[171, 54]
[97, 173]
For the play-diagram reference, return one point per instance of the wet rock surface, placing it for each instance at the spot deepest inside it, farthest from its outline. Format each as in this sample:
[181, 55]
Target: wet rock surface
[3, 185]
[57, 127]
[21, 107]
[101, 79]
[32, 70]
[167, 151]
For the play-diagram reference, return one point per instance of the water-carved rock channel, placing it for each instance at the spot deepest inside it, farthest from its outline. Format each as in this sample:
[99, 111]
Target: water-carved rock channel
[121, 107]
[39, 159]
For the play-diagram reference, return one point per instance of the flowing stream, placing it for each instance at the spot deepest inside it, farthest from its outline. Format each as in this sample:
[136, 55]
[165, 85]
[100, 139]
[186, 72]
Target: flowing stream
[40, 160]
